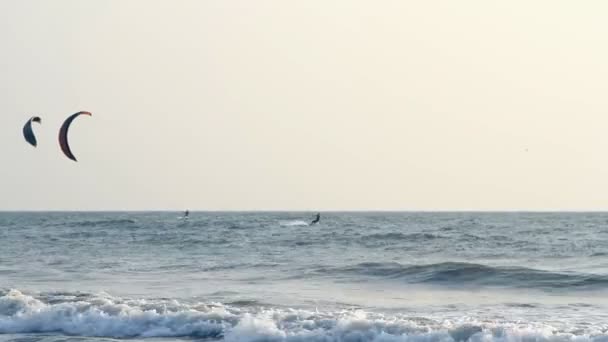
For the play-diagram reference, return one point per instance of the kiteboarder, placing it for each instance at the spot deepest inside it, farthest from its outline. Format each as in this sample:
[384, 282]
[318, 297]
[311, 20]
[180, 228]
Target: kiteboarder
[316, 220]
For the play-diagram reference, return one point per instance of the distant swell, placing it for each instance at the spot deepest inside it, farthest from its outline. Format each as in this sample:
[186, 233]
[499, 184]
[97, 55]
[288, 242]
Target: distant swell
[401, 236]
[459, 274]
[101, 223]
[106, 316]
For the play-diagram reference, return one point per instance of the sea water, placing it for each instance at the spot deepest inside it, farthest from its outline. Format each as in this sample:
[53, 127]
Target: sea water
[379, 276]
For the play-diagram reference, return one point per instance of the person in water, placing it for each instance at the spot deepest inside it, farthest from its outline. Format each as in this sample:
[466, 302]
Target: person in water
[316, 220]
[186, 213]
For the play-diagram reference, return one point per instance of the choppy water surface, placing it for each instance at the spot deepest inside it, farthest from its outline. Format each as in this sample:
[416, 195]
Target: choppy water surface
[271, 277]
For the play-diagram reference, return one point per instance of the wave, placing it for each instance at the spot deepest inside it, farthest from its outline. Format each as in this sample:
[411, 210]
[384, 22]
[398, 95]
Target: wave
[401, 236]
[102, 315]
[110, 223]
[462, 274]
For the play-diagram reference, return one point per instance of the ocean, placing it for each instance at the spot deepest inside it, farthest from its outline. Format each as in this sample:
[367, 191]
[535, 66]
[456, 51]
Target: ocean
[269, 276]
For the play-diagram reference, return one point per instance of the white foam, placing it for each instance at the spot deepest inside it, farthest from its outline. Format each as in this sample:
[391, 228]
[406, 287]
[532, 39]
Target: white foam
[294, 223]
[251, 328]
[20, 313]
[106, 316]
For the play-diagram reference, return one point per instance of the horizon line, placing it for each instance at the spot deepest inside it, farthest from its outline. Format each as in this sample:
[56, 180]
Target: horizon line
[308, 211]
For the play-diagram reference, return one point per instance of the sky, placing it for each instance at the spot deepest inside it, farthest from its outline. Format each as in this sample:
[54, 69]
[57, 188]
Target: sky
[306, 105]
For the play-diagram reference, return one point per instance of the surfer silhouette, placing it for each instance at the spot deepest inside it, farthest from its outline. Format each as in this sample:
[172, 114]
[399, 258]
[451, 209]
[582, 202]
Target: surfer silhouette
[316, 220]
[186, 213]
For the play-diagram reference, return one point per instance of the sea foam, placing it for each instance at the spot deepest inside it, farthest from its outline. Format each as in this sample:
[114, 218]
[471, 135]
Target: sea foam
[102, 315]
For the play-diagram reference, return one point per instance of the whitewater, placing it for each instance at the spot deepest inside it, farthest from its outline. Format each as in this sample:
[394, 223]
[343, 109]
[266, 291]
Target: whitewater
[268, 276]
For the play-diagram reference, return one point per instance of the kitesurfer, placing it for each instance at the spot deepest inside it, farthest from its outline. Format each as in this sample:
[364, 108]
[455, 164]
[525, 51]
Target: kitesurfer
[316, 220]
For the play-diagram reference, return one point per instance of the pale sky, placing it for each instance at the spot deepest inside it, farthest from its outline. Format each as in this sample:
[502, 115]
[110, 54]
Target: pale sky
[306, 105]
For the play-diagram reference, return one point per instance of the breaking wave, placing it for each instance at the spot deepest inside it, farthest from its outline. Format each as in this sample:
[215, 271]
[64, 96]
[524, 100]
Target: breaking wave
[101, 315]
